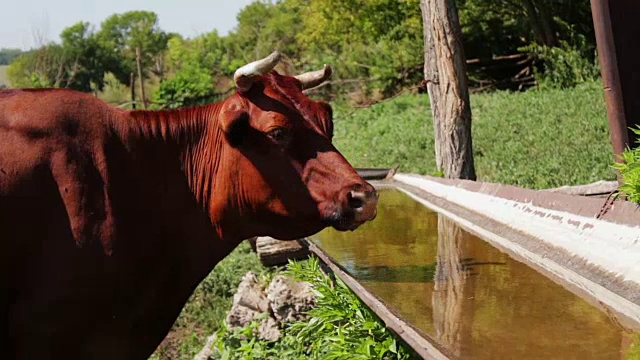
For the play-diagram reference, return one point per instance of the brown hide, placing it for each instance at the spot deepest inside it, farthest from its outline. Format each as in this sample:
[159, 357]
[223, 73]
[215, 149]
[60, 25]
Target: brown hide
[110, 218]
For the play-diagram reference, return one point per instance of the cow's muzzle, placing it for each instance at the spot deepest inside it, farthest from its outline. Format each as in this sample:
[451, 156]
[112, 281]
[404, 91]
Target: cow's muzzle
[364, 203]
[359, 205]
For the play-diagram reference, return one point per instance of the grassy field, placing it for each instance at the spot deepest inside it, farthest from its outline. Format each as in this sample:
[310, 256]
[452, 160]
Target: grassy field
[3, 76]
[535, 139]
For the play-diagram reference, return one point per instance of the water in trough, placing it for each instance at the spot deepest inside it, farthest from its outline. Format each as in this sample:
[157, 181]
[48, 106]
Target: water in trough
[469, 298]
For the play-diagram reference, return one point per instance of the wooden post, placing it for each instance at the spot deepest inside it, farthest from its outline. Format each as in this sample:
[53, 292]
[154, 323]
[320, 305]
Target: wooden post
[616, 26]
[139, 65]
[445, 74]
[132, 87]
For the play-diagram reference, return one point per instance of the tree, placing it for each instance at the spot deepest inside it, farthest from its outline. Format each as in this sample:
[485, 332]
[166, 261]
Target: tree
[76, 63]
[84, 56]
[7, 55]
[23, 71]
[130, 33]
[48, 66]
[197, 65]
[501, 27]
[372, 40]
[446, 79]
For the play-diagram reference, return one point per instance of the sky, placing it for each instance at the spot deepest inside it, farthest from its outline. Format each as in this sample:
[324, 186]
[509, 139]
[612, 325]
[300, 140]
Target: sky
[25, 23]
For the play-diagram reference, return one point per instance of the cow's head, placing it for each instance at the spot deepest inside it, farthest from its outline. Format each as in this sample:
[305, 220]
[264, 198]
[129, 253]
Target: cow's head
[285, 177]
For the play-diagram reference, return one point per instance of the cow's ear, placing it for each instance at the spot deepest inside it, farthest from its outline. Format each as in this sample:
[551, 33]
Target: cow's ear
[234, 122]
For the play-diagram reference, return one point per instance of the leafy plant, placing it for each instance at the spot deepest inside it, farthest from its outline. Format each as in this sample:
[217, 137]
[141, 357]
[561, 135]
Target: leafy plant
[193, 71]
[340, 327]
[568, 64]
[630, 172]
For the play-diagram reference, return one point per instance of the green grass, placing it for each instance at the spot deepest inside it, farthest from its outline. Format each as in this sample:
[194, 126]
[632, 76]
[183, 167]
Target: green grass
[208, 306]
[3, 76]
[534, 139]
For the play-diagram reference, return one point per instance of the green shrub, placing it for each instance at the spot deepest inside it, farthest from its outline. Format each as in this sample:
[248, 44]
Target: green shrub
[630, 172]
[192, 75]
[567, 65]
[114, 92]
[340, 327]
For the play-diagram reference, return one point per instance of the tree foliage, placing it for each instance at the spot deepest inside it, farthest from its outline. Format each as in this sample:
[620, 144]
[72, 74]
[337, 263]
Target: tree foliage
[7, 55]
[377, 40]
[121, 34]
[75, 63]
[196, 65]
[375, 46]
[83, 56]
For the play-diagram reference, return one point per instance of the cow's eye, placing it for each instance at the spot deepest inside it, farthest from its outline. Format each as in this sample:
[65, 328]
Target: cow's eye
[279, 135]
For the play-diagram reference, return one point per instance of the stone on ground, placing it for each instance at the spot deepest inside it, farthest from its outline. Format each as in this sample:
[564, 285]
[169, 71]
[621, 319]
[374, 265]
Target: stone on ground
[290, 299]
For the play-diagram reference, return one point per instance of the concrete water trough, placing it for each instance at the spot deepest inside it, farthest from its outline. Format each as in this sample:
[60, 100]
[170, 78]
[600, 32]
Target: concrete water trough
[463, 269]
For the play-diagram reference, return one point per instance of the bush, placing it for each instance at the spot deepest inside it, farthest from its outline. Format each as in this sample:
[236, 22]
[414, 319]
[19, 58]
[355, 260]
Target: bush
[630, 172]
[567, 65]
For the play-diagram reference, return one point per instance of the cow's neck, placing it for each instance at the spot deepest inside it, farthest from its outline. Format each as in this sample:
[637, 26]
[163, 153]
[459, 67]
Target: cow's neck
[206, 160]
[178, 127]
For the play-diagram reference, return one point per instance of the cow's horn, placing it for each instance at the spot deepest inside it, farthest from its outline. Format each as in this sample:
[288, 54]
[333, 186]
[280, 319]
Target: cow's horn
[312, 79]
[245, 75]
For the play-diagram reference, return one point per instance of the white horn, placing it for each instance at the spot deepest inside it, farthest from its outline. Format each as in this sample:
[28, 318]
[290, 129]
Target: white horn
[244, 76]
[312, 79]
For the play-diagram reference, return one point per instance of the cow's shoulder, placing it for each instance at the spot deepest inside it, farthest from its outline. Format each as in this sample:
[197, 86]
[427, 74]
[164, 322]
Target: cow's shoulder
[55, 114]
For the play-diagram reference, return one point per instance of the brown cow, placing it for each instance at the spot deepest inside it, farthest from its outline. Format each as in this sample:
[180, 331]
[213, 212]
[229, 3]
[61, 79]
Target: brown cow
[110, 218]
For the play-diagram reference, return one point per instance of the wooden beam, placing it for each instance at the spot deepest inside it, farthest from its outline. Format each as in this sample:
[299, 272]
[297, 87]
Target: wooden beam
[273, 252]
[616, 26]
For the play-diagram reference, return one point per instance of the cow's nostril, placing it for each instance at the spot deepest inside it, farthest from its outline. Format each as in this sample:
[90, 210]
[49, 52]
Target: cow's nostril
[356, 199]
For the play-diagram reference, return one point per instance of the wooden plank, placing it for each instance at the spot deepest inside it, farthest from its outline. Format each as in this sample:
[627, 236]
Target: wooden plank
[601, 187]
[416, 341]
[377, 173]
[273, 252]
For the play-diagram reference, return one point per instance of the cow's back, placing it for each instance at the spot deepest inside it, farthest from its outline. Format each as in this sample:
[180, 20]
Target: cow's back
[35, 124]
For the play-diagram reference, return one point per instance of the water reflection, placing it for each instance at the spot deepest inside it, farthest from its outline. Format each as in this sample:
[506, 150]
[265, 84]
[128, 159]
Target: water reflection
[383, 273]
[452, 285]
[474, 300]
